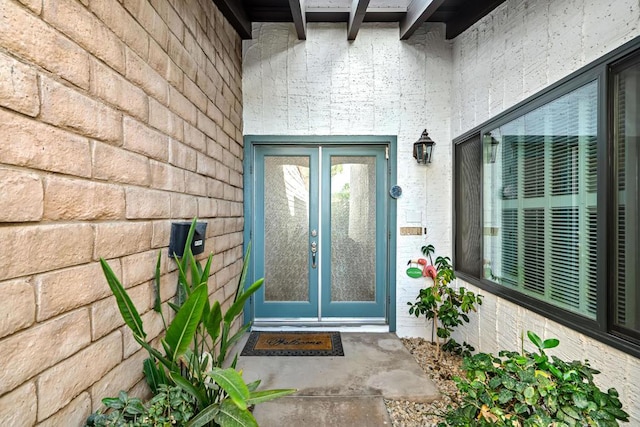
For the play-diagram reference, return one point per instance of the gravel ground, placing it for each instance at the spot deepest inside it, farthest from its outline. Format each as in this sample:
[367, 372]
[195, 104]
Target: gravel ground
[441, 371]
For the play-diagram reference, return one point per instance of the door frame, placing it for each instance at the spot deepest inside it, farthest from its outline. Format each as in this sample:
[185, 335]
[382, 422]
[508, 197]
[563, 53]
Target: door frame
[251, 141]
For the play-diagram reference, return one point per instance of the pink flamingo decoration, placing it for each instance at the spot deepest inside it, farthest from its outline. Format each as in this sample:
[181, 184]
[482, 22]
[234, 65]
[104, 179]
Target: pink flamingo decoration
[428, 270]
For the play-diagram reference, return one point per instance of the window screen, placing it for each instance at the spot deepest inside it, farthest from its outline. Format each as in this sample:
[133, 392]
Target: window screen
[468, 252]
[626, 136]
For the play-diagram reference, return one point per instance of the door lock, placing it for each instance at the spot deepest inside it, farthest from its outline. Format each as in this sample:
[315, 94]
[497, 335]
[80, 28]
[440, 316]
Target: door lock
[314, 251]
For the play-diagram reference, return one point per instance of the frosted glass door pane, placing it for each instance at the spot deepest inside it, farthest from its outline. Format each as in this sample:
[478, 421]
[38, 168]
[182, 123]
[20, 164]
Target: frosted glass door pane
[286, 223]
[353, 228]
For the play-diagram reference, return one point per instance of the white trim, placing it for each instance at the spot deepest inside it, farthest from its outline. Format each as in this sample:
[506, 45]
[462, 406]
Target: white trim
[328, 324]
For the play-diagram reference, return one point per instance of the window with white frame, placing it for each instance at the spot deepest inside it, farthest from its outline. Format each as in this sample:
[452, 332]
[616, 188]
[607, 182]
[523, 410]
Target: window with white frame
[547, 201]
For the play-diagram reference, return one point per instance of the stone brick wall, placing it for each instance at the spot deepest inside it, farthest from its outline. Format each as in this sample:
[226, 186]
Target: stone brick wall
[116, 117]
[517, 50]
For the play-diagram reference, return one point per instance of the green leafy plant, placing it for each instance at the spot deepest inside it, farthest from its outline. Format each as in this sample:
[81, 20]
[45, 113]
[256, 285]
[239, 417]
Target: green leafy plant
[169, 407]
[445, 306]
[196, 343]
[123, 411]
[532, 389]
[454, 347]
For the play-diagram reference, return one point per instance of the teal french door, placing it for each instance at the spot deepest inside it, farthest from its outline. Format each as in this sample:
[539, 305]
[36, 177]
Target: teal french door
[320, 228]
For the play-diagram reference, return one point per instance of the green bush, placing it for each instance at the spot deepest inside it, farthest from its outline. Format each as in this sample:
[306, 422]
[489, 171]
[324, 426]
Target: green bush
[530, 389]
[195, 346]
[171, 406]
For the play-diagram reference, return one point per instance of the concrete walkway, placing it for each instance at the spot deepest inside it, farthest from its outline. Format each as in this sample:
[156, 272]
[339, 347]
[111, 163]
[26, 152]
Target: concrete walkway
[339, 391]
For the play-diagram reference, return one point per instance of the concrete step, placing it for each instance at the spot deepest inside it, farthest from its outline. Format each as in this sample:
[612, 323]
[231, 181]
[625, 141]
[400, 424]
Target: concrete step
[323, 411]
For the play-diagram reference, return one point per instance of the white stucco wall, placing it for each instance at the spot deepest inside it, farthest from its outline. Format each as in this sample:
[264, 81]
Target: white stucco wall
[375, 85]
[517, 50]
[524, 46]
[379, 85]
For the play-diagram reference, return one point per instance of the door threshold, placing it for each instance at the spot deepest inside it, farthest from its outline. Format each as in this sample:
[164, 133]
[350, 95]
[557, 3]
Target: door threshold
[337, 325]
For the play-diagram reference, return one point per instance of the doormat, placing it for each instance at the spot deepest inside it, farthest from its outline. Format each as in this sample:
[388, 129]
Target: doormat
[293, 344]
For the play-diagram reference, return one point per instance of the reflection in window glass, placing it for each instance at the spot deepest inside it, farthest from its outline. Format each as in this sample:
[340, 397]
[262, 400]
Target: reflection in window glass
[539, 202]
[626, 130]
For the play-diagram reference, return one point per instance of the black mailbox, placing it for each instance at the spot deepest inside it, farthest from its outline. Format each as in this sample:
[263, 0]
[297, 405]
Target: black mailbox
[179, 233]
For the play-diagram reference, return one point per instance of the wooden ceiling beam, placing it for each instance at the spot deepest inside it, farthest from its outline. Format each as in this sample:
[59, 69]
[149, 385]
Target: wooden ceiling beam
[356, 16]
[236, 15]
[418, 12]
[298, 13]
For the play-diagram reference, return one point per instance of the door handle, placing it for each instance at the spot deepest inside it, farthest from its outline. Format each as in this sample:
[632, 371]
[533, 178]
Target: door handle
[314, 251]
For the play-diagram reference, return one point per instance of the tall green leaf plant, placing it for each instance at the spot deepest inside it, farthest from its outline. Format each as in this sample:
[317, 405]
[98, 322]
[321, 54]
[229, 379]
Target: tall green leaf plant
[196, 343]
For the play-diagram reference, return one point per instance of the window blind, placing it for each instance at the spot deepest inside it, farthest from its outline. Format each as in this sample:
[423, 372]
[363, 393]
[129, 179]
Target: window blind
[544, 185]
[560, 201]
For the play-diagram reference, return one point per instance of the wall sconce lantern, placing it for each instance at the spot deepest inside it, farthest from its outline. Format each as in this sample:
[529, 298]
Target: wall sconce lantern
[492, 147]
[423, 148]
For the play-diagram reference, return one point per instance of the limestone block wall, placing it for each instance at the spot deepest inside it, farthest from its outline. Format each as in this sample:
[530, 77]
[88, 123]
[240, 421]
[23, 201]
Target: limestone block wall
[520, 48]
[116, 117]
[375, 85]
